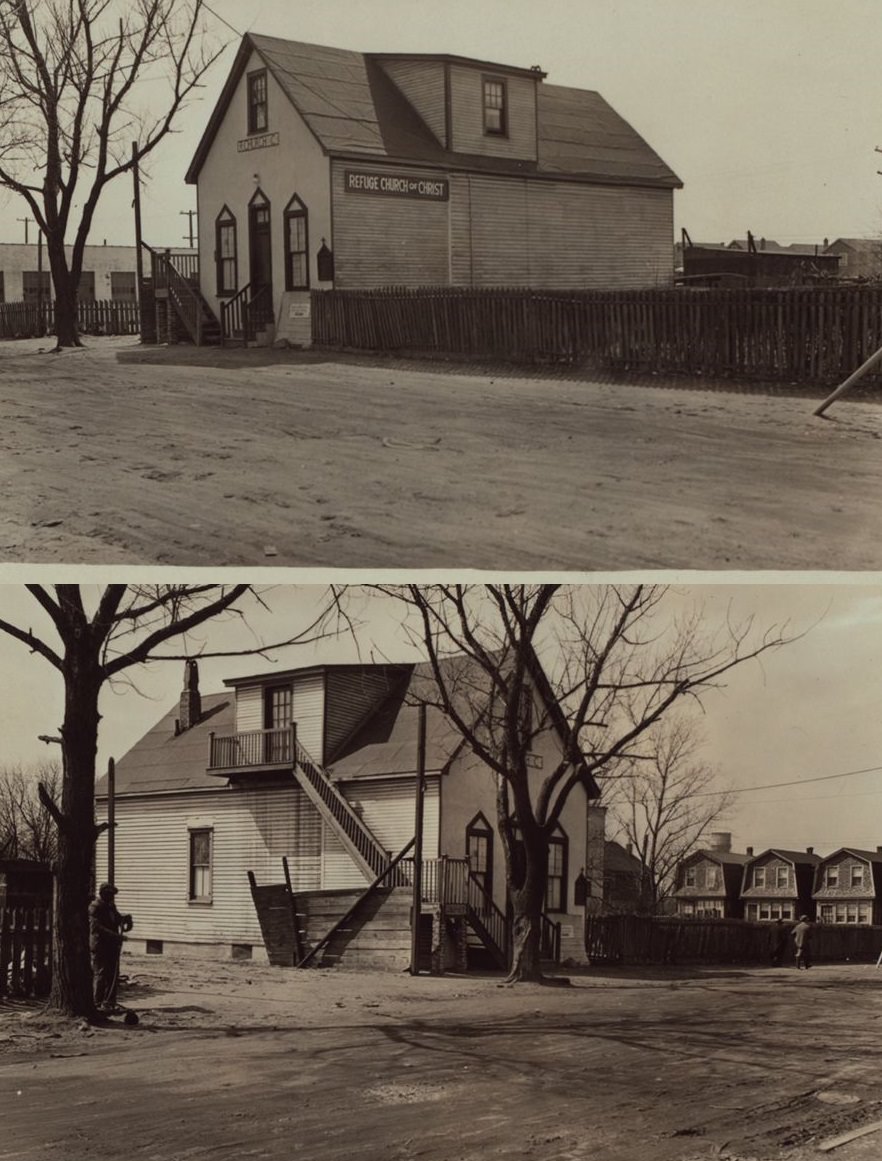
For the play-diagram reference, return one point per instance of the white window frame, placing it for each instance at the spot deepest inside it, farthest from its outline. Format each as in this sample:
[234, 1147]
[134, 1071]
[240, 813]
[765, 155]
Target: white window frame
[193, 886]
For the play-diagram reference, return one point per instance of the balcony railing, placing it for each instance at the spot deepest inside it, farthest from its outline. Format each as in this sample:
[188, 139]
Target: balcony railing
[252, 749]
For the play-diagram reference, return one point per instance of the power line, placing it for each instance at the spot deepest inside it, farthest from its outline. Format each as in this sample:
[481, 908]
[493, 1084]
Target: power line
[208, 8]
[793, 782]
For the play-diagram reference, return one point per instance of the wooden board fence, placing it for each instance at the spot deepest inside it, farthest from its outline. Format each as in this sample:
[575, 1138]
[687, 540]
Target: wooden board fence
[22, 320]
[25, 952]
[639, 939]
[802, 334]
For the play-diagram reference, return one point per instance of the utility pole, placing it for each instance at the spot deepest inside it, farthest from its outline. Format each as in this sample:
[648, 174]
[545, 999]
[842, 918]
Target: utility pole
[416, 909]
[190, 215]
[25, 220]
[136, 177]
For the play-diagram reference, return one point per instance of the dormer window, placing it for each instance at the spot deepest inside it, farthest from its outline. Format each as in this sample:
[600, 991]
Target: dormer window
[495, 107]
[257, 105]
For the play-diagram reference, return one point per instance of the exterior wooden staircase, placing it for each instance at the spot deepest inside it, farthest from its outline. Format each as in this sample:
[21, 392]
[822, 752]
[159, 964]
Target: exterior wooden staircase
[175, 283]
[369, 855]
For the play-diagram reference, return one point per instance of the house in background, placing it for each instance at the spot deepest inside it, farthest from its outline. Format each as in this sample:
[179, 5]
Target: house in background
[709, 881]
[778, 884]
[328, 168]
[859, 258]
[848, 887]
[317, 766]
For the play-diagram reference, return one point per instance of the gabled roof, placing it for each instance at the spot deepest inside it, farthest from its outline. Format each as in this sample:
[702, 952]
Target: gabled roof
[579, 133]
[617, 858]
[384, 743]
[804, 857]
[162, 761]
[870, 856]
[724, 858]
[354, 109]
[869, 245]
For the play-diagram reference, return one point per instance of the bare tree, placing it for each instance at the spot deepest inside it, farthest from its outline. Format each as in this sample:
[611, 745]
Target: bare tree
[27, 830]
[88, 88]
[665, 802]
[612, 656]
[93, 639]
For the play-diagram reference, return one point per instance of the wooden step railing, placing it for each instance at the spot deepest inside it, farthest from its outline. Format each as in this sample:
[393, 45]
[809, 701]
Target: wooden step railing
[371, 857]
[177, 276]
[384, 879]
[488, 922]
[247, 312]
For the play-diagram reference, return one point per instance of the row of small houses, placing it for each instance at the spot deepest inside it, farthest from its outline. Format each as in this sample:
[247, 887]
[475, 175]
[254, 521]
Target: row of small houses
[844, 887]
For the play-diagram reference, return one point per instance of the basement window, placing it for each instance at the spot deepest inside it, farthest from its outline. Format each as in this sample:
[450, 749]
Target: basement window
[153, 946]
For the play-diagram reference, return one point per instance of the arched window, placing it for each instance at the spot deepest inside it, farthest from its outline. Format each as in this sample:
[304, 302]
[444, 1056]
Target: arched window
[556, 886]
[296, 245]
[479, 851]
[225, 253]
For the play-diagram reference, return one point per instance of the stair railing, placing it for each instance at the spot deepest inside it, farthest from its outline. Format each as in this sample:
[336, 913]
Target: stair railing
[549, 939]
[483, 912]
[234, 315]
[350, 822]
[363, 897]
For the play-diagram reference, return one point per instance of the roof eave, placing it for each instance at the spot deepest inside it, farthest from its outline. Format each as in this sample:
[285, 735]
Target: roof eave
[449, 58]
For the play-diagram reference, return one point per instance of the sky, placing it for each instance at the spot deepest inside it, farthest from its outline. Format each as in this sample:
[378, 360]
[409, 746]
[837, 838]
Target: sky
[807, 711]
[769, 111]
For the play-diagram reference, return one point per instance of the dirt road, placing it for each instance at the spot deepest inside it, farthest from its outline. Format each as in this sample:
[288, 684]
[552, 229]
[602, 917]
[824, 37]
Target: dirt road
[236, 459]
[238, 1060]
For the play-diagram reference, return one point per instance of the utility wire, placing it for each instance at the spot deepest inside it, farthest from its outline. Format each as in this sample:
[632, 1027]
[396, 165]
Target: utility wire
[793, 782]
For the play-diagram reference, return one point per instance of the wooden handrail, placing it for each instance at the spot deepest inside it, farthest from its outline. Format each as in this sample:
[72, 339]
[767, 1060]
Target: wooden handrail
[361, 899]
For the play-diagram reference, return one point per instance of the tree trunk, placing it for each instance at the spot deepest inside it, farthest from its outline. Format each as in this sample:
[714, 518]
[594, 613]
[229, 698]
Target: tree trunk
[527, 903]
[71, 991]
[67, 331]
[64, 281]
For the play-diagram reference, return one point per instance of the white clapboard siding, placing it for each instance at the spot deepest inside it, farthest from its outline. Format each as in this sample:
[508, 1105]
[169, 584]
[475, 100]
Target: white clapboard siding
[252, 830]
[309, 713]
[467, 115]
[388, 241]
[559, 234]
[249, 708]
[422, 82]
[387, 807]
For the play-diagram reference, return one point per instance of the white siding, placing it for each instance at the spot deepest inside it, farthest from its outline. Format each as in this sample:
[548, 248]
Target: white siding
[387, 807]
[309, 713]
[559, 234]
[249, 708]
[388, 241]
[253, 829]
[467, 114]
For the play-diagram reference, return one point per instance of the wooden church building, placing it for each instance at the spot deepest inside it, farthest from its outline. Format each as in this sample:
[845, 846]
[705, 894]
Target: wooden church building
[325, 168]
[258, 821]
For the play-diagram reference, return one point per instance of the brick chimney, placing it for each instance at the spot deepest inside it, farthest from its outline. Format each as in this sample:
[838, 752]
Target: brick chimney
[720, 841]
[595, 856]
[749, 851]
[191, 702]
[809, 850]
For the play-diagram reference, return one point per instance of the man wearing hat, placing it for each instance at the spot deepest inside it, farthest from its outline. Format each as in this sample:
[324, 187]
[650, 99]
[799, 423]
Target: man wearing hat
[106, 927]
[802, 939]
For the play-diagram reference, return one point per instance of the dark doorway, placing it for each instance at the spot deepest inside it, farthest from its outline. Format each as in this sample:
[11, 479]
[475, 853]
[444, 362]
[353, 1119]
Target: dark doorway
[260, 247]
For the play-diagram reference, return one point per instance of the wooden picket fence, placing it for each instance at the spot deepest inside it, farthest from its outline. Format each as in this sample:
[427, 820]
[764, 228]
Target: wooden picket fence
[23, 320]
[642, 939]
[801, 334]
[25, 951]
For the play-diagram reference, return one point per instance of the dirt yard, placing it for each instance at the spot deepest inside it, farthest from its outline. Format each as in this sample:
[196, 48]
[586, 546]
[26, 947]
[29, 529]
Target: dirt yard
[236, 1060]
[123, 454]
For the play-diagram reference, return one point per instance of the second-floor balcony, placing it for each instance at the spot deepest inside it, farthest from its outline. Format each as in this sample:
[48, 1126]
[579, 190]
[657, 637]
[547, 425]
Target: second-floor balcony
[252, 751]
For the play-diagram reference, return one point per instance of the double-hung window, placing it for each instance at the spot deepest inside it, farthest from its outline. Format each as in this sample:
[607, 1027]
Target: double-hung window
[225, 253]
[495, 107]
[201, 842]
[258, 118]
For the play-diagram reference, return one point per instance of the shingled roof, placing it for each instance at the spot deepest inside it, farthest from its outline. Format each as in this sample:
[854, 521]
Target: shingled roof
[354, 109]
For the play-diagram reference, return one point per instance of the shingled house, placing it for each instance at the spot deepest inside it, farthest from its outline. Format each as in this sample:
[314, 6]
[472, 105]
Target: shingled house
[317, 766]
[778, 884]
[709, 881]
[327, 168]
[848, 887]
